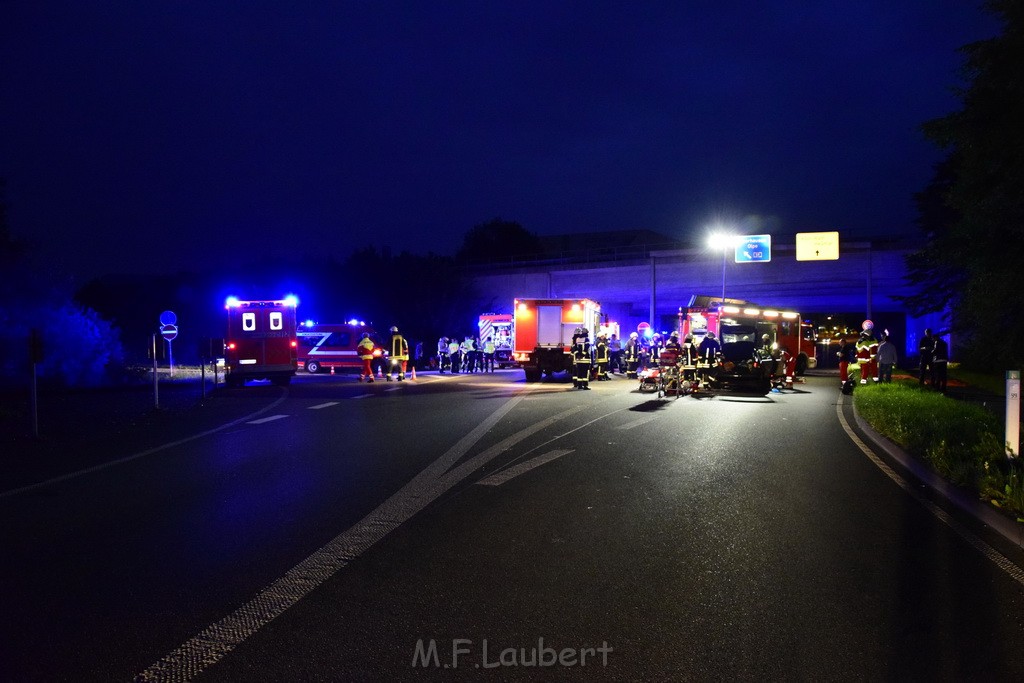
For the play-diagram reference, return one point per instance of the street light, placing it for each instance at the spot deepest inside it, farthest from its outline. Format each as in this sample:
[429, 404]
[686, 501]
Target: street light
[724, 241]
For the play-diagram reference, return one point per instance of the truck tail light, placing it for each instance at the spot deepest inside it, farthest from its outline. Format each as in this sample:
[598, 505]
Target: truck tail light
[231, 346]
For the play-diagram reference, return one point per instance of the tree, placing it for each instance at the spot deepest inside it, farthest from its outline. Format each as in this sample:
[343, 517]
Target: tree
[496, 240]
[973, 211]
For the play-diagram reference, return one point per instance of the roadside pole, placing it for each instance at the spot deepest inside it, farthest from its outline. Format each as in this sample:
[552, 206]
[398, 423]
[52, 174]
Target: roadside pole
[1013, 413]
[35, 352]
[156, 383]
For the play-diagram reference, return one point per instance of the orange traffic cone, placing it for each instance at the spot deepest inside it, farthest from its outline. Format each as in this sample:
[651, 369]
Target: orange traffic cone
[414, 372]
[332, 369]
[380, 372]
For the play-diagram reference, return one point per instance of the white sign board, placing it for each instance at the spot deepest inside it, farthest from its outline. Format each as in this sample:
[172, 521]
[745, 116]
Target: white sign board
[817, 246]
[1013, 413]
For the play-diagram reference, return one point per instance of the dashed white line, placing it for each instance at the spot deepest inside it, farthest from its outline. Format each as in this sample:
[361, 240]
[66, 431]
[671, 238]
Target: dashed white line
[323, 405]
[266, 419]
[501, 477]
[363, 396]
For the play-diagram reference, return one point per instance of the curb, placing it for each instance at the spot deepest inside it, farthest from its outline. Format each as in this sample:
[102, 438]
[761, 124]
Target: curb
[986, 515]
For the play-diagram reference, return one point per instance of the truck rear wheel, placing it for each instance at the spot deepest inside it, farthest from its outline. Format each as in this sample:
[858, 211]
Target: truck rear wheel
[532, 374]
[801, 363]
[312, 367]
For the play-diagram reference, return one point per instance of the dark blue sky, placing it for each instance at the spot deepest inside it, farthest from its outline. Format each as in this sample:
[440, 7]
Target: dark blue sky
[134, 133]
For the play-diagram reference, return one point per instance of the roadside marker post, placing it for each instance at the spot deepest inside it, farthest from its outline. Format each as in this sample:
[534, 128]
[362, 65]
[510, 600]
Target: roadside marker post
[1012, 413]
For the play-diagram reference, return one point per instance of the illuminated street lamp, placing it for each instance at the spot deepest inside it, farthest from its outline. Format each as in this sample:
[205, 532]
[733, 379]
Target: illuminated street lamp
[725, 242]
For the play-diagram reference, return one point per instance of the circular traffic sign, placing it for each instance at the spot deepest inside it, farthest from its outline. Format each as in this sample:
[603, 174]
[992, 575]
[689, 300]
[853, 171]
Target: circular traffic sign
[169, 331]
[168, 318]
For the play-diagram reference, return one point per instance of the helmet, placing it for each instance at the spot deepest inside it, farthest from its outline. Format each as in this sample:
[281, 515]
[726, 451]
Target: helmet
[394, 329]
[674, 335]
[579, 331]
[689, 339]
[711, 335]
[633, 335]
[366, 335]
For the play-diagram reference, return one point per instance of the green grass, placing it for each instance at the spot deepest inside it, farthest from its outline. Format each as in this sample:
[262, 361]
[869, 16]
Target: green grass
[961, 442]
[992, 383]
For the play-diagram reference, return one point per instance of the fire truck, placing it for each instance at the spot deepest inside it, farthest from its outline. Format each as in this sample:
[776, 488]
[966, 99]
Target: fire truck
[740, 327]
[543, 333]
[330, 346]
[498, 327]
[261, 341]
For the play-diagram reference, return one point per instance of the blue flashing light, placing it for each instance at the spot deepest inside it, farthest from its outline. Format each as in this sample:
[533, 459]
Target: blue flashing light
[353, 321]
[291, 300]
[309, 323]
[231, 302]
[649, 332]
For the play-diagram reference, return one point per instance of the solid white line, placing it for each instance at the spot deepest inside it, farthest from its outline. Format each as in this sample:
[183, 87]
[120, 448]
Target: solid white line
[323, 405]
[501, 477]
[1015, 572]
[266, 419]
[136, 456]
[217, 640]
[637, 423]
[363, 396]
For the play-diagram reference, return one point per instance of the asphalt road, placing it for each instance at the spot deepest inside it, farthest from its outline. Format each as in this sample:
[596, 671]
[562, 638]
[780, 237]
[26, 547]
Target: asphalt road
[464, 527]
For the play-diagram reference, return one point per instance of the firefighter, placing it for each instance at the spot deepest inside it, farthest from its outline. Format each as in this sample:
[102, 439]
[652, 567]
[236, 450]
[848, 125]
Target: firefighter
[468, 355]
[867, 351]
[767, 355]
[443, 359]
[454, 355]
[399, 355]
[688, 359]
[581, 357]
[488, 364]
[668, 359]
[926, 351]
[655, 350]
[602, 357]
[365, 350]
[708, 356]
[847, 356]
[631, 355]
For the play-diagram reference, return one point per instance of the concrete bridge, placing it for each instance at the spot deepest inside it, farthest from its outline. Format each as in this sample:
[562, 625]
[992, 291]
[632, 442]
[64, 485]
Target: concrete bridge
[650, 286]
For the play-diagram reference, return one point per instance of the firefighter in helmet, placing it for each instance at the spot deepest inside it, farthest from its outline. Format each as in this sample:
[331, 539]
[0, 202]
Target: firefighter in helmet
[581, 358]
[365, 350]
[631, 354]
[867, 353]
[602, 356]
[399, 355]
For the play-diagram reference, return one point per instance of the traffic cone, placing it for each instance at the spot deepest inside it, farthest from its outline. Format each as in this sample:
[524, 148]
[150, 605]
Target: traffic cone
[332, 369]
[414, 372]
[380, 372]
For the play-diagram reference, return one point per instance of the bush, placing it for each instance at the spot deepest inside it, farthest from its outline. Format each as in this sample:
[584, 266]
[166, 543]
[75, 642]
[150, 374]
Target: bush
[961, 442]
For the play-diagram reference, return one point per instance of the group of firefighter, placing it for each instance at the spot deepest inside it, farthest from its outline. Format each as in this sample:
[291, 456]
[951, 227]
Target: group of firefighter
[397, 361]
[470, 355]
[607, 355]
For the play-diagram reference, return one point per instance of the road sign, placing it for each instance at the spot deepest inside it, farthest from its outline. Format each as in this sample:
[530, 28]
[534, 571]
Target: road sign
[754, 249]
[168, 318]
[817, 246]
[169, 331]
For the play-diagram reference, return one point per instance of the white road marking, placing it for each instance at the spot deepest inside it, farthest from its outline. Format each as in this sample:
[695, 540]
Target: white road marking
[217, 640]
[151, 451]
[266, 419]
[392, 389]
[363, 396]
[637, 423]
[323, 405]
[501, 477]
[1015, 572]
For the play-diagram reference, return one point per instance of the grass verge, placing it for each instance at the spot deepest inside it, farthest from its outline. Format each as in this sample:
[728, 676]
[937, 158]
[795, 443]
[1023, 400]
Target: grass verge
[961, 442]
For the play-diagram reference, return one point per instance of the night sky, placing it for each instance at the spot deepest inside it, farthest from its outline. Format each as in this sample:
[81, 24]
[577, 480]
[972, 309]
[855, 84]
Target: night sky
[139, 135]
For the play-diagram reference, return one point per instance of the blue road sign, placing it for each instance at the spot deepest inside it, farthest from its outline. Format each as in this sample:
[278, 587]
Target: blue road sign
[754, 249]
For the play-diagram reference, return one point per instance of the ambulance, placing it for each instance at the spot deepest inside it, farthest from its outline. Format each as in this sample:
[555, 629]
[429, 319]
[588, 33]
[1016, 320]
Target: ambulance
[260, 341]
[498, 326]
[330, 346]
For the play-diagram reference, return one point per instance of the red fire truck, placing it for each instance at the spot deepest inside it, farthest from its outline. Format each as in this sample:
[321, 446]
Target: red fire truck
[261, 341]
[743, 324]
[544, 330]
[334, 345]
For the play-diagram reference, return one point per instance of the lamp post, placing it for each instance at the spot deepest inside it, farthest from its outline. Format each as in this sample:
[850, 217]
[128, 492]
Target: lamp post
[723, 241]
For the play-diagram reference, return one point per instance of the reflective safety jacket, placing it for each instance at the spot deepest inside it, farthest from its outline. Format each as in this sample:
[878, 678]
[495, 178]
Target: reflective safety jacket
[365, 349]
[489, 347]
[581, 351]
[399, 348]
[602, 351]
[632, 350]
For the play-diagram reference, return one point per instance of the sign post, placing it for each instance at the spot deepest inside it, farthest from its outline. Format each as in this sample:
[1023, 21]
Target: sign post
[1013, 413]
[169, 330]
[156, 379]
[35, 352]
